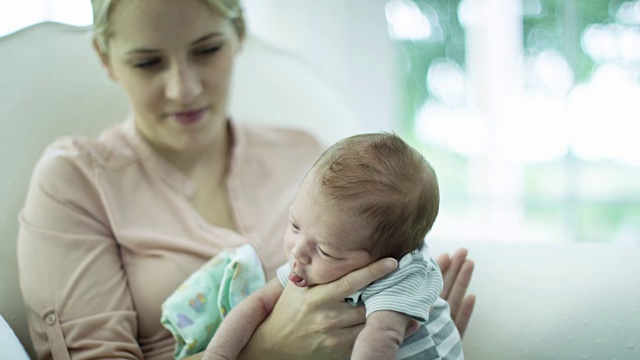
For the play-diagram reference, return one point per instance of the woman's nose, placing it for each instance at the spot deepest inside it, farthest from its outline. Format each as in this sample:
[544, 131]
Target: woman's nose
[183, 83]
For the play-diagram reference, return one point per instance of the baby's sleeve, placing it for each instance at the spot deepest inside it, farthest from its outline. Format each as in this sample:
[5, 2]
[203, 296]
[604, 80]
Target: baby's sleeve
[411, 289]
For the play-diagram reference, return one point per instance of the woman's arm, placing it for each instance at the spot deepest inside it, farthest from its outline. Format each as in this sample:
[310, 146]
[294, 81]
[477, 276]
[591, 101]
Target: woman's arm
[381, 337]
[71, 273]
[316, 322]
[237, 327]
[456, 273]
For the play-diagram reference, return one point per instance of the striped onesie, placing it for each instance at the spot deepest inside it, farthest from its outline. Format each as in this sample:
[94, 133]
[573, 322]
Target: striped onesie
[412, 289]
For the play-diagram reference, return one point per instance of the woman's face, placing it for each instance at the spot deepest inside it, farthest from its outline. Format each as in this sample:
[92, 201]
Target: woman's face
[174, 59]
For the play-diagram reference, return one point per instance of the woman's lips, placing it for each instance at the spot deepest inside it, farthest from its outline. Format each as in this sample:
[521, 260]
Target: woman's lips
[190, 117]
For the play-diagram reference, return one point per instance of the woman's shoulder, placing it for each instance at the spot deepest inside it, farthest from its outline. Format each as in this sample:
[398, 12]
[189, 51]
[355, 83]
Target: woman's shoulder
[71, 157]
[108, 150]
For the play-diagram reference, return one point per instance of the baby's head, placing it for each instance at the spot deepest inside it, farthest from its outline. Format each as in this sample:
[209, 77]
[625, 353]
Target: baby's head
[368, 196]
[385, 182]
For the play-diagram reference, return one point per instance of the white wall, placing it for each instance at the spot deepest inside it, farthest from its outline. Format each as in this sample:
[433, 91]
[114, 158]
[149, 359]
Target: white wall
[345, 41]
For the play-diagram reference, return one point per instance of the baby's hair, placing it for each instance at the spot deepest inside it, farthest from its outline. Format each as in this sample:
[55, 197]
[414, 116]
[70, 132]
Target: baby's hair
[386, 181]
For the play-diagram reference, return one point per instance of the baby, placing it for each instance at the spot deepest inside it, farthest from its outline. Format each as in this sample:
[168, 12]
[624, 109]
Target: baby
[367, 197]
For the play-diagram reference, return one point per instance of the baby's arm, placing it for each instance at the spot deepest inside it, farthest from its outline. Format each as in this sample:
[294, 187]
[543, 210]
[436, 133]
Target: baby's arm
[238, 326]
[382, 336]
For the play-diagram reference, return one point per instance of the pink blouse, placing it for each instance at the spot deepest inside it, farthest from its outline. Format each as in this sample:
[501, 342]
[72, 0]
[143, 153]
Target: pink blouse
[108, 232]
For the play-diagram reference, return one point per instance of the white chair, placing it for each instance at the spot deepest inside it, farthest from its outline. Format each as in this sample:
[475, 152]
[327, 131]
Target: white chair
[10, 347]
[51, 84]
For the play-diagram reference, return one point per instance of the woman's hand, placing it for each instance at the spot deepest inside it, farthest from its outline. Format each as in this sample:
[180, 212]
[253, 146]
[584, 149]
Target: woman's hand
[456, 273]
[315, 322]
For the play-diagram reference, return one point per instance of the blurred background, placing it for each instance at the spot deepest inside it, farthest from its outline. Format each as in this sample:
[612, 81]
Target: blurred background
[527, 109]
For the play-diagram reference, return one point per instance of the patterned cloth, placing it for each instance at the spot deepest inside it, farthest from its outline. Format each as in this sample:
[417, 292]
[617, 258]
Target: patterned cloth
[195, 310]
[411, 289]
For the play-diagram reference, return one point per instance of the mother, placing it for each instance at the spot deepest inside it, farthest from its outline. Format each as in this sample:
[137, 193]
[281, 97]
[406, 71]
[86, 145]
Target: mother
[111, 226]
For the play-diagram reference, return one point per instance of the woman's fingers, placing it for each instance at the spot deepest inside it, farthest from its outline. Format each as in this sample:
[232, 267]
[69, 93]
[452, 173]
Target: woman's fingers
[443, 262]
[460, 285]
[456, 273]
[450, 270]
[360, 278]
[464, 314]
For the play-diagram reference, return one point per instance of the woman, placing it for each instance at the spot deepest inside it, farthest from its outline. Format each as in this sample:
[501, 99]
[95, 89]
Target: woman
[111, 226]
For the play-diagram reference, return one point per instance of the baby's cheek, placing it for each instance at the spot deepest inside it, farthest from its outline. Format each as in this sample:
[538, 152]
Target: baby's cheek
[287, 245]
[327, 274]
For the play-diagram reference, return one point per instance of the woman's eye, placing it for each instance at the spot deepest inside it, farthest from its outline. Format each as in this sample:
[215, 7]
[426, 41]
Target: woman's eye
[209, 50]
[146, 64]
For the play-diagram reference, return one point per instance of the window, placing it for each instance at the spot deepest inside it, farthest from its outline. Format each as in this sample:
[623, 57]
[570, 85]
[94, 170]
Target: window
[526, 109]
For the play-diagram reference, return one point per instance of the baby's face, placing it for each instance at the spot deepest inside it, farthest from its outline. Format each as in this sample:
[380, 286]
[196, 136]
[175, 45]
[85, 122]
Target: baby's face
[322, 242]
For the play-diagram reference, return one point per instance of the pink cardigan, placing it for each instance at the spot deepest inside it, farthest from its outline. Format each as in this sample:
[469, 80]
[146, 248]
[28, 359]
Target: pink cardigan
[108, 232]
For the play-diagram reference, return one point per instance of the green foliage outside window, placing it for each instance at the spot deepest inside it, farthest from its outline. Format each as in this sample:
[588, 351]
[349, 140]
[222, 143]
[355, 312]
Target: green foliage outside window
[559, 25]
[586, 200]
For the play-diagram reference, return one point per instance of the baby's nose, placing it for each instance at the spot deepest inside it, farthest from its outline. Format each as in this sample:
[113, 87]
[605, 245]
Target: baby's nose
[301, 255]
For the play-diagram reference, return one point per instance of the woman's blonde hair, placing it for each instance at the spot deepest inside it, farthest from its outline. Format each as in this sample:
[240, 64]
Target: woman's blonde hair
[102, 9]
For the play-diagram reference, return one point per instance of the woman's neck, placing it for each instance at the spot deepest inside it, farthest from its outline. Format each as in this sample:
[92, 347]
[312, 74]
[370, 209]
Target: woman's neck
[210, 162]
[208, 169]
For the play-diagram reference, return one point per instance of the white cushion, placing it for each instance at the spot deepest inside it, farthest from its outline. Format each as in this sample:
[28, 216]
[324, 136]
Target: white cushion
[52, 84]
[10, 347]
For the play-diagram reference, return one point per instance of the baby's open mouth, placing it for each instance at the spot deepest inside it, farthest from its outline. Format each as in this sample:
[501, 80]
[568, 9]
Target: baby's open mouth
[297, 280]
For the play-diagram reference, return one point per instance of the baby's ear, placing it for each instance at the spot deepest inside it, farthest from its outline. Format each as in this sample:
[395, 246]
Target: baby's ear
[104, 58]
